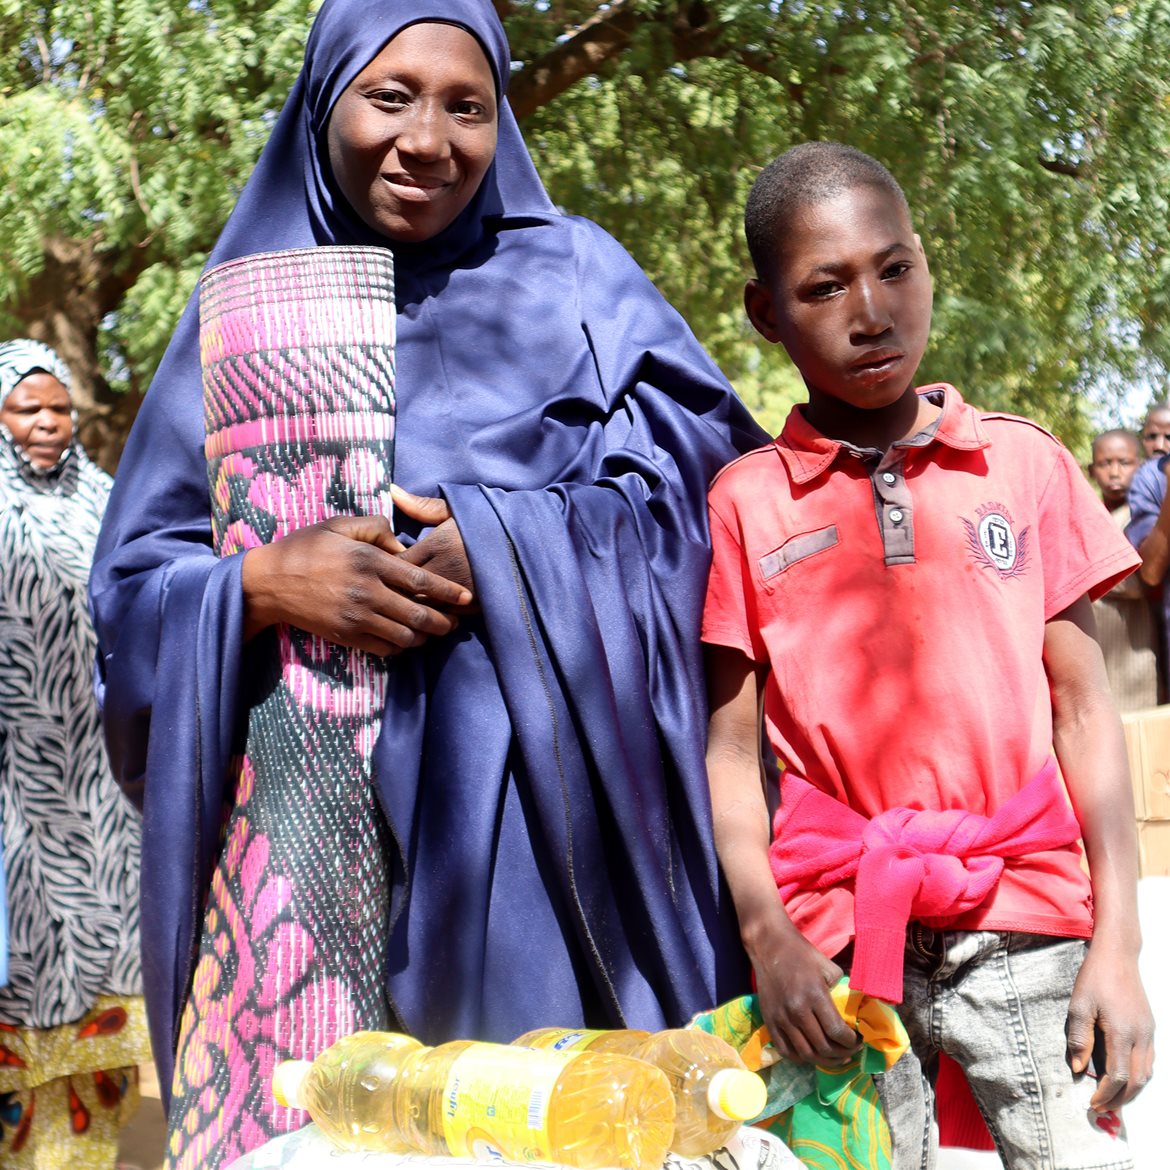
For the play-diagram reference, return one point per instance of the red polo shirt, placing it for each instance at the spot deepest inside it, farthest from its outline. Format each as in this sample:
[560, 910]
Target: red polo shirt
[900, 602]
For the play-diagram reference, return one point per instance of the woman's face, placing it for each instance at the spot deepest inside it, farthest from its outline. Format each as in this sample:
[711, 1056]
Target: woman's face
[412, 137]
[39, 413]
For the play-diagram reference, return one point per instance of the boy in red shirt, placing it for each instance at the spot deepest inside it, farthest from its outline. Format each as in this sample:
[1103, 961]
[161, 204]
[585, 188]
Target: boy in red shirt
[904, 584]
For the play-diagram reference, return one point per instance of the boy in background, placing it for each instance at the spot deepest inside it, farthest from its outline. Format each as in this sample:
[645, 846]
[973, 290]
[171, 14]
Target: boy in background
[904, 584]
[1124, 616]
[1116, 456]
[1149, 530]
[1156, 430]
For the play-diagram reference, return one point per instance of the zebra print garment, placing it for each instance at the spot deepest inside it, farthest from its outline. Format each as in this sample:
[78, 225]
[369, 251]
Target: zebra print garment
[71, 840]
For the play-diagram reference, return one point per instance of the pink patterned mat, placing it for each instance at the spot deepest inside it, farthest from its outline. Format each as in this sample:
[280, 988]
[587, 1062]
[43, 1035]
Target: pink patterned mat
[297, 350]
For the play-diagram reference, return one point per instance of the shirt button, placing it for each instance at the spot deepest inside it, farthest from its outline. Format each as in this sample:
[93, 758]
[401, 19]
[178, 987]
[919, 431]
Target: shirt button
[896, 515]
[889, 477]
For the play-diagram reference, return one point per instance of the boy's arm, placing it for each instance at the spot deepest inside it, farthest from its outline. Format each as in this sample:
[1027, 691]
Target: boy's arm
[1150, 527]
[1155, 549]
[1090, 746]
[792, 977]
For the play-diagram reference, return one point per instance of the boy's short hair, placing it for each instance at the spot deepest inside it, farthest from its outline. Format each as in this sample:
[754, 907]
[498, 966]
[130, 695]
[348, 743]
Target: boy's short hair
[1117, 433]
[805, 174]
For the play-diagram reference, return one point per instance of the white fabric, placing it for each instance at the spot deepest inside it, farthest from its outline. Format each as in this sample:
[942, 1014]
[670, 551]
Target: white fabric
[21, 357]
[309, 1149]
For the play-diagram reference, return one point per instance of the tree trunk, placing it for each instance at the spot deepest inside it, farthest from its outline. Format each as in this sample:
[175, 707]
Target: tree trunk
[63, 306]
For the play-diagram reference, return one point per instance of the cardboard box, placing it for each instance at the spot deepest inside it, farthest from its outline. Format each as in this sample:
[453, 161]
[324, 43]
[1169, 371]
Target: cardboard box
[1147, 740]
[1154, 848]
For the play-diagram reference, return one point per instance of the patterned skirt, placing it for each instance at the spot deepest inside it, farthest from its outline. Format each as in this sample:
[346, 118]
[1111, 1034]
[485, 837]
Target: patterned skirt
[65, 1092]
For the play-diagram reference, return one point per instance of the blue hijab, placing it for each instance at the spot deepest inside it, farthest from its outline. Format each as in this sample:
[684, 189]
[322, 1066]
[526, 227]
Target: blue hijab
[541, 768]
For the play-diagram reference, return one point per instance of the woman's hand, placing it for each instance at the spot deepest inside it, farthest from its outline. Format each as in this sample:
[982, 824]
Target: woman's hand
[348, 580]
[441, 551]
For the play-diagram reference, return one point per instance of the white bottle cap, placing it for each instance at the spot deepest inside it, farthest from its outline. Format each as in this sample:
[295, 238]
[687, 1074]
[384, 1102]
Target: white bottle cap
[735, 1094]
[288, 1081]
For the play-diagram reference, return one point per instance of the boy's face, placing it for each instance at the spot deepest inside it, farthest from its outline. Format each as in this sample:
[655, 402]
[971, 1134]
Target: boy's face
[1115, 459]
[850, 299]
[1156, 432]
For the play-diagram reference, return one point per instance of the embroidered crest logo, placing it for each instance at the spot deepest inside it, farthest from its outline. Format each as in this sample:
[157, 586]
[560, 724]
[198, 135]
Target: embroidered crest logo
[994, 544]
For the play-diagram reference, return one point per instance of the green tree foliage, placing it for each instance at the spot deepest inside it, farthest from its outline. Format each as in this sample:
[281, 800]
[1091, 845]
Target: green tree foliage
[1031, 139]
[127, 128]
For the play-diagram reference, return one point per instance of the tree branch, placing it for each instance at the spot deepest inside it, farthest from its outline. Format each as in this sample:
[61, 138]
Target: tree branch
[606, 35]
[601, 38]
[46, 58]
[1058, 167]
[693, 34]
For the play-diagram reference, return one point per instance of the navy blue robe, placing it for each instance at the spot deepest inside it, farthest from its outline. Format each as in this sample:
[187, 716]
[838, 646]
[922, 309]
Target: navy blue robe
[541, 768]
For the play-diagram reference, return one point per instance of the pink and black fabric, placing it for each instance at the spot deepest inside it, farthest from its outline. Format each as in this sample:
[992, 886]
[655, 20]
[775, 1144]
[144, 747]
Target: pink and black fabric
[297, 351]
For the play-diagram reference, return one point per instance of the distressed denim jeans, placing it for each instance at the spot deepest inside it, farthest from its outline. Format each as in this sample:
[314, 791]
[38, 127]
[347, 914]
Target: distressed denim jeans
[997, 1002]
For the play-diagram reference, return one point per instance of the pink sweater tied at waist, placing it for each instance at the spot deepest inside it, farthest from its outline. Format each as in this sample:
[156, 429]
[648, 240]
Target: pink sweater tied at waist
[909, 864]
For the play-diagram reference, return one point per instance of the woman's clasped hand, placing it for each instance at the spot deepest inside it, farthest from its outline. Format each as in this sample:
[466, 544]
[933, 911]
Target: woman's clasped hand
[351, 580]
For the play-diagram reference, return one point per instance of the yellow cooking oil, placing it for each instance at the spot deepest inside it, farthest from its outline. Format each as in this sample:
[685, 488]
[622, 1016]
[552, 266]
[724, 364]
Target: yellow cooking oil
[714, 1091]
[497, 1101]
[348, 1090]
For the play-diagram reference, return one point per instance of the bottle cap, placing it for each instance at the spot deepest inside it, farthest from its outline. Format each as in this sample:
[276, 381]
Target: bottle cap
[287, 1082]
[735, 1094]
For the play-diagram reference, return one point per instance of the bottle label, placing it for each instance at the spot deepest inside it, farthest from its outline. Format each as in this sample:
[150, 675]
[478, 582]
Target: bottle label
[569, 1039]
[495, 1106]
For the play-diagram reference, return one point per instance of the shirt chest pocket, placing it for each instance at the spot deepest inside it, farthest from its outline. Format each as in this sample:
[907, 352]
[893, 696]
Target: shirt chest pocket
[797, 549]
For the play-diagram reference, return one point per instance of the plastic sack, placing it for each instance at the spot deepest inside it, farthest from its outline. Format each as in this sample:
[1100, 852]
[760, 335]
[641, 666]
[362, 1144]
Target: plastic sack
[310, 1149]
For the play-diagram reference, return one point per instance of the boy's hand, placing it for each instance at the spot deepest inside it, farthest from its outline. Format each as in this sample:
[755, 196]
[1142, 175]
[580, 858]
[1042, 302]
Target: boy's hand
[793, 980]
[1108, 998]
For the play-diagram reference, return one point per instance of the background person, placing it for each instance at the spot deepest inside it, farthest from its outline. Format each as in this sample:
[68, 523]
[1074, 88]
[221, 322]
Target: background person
[72, 1022]
[1155, 430]
[540, 763]
[1125, 620]
[1149, 532]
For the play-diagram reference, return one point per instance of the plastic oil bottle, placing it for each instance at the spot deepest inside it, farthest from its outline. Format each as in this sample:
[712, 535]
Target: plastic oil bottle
[348, 1090]
[380, 1091]
[493, 1101]
[714, 1092]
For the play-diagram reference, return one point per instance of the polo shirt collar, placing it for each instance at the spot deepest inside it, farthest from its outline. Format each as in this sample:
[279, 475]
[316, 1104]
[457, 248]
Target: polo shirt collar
[807, 453]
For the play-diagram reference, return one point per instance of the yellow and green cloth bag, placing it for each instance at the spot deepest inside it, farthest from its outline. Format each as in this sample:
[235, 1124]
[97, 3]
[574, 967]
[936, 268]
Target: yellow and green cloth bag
[830, 1118]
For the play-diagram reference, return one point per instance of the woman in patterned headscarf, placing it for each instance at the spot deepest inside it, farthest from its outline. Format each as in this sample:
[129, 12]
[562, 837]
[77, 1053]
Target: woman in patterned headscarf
[72, 1024]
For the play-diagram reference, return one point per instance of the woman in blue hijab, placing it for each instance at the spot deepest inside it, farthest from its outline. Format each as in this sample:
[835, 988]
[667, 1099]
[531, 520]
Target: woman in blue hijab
[540, 762]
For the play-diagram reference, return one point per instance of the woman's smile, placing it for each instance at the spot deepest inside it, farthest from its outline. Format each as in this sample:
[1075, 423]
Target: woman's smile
[416, 187]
